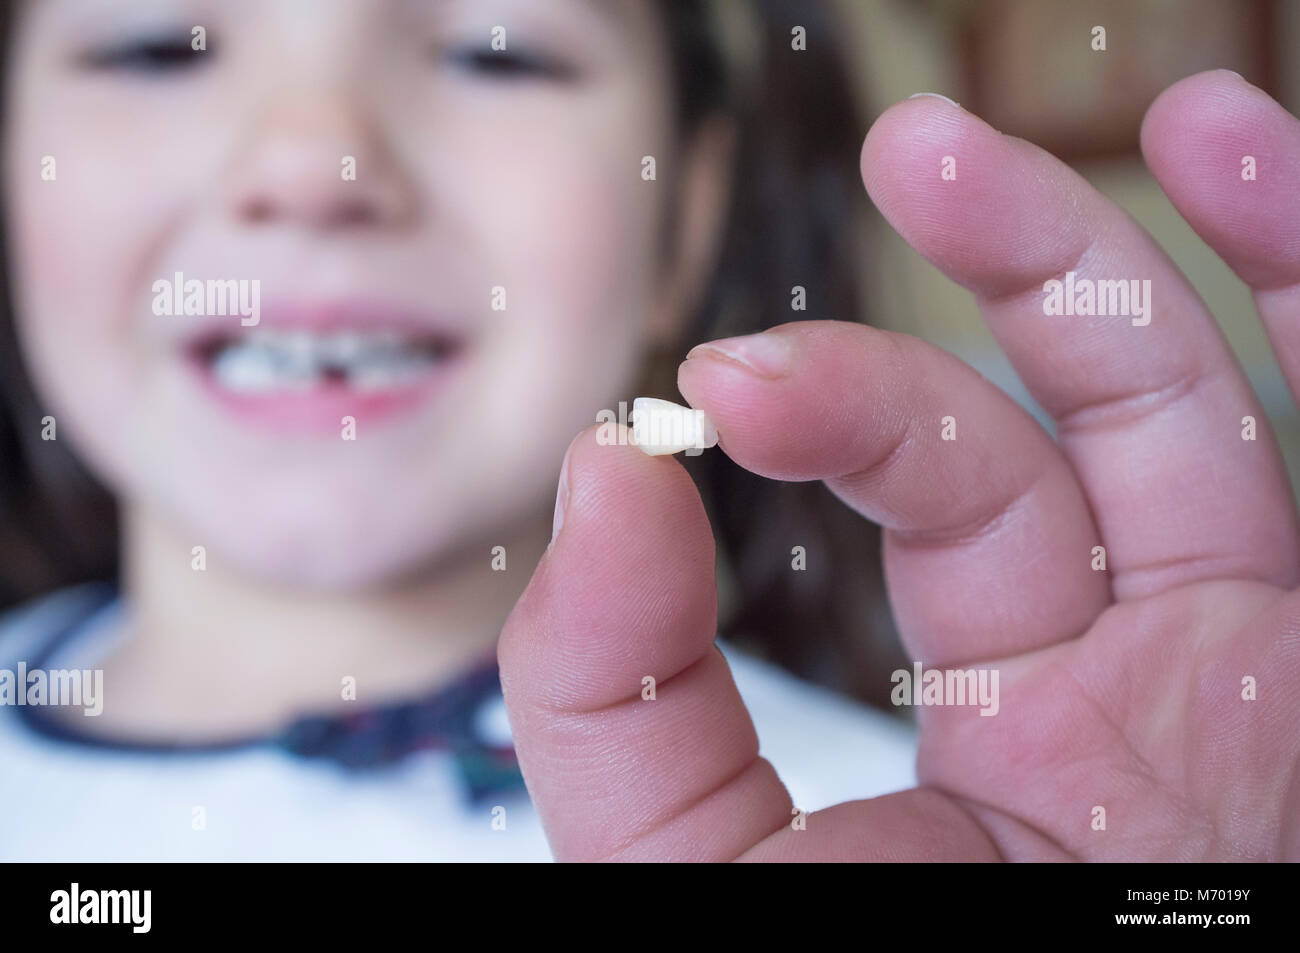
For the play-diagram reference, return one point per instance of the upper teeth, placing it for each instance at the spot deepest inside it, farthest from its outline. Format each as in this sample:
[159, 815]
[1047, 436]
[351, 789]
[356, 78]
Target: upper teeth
[267, 360]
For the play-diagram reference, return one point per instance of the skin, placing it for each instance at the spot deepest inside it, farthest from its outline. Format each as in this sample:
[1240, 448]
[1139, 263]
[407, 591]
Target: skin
[1120, 689]
[325, 558]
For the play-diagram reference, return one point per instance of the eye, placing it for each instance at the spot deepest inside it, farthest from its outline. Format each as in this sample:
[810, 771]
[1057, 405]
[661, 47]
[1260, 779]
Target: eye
[170, 54]
[510, 66]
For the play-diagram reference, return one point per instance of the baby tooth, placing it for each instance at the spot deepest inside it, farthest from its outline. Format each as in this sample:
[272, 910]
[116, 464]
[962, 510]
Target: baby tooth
[298, 343]
[660, 427]
[343, 348]
[377, 376]
[245, 370]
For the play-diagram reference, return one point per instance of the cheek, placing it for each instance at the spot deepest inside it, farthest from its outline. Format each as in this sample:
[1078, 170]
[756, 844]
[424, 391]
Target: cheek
[85, 248]
[79, 248]
[84, 239]
[571, 232]
[578, 259]
[68, 278]
[554, 193]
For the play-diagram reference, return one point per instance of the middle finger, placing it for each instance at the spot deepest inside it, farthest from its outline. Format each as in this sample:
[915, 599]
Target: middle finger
[1150, 414]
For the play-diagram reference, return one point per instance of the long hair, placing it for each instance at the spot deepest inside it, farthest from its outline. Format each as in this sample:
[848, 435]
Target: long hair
[796, 220]
[796, 210]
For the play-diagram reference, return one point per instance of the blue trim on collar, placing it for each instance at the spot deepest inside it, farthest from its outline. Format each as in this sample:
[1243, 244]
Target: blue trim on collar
[367, 739]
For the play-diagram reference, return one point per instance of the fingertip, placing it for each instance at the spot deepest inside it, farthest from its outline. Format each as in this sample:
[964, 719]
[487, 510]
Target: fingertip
[1202, 102]
[1221, 149]
[916, 122]
[792, 427]
[619, 496]
[737, 375]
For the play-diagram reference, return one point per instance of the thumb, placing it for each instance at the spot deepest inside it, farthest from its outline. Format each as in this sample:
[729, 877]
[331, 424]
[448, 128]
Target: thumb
[619, 766]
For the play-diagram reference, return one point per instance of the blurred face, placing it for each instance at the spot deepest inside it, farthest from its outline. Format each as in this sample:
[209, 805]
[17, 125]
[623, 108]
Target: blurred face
[341, 210]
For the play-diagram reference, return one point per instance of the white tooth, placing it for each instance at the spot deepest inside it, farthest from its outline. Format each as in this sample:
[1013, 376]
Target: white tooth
[341, 348]
[661, 427]
[296, 357]
[245, 370]
[387, 373]
[298, 344]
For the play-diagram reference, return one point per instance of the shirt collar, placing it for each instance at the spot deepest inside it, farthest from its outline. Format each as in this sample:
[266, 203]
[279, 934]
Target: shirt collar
[451, 718]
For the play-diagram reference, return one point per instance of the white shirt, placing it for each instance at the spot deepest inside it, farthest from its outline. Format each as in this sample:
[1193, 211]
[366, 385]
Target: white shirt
[63, 801]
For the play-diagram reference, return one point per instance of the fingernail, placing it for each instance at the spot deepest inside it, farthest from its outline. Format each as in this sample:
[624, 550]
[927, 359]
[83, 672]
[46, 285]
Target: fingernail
[1233, 72]
[561, 498]
[766, 354]
[936, 96]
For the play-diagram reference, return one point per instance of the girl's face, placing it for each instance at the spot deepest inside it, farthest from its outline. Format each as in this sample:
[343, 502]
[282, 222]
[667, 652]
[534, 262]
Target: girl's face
[485, 283]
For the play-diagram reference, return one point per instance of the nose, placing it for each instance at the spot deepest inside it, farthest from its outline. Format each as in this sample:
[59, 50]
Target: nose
[317, 160]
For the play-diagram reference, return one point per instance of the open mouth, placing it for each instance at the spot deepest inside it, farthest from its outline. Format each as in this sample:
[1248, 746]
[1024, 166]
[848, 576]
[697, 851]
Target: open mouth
[266, 361]
[294, 378]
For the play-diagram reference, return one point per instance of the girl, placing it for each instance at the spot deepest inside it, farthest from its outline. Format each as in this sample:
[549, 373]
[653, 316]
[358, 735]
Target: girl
[457, 248]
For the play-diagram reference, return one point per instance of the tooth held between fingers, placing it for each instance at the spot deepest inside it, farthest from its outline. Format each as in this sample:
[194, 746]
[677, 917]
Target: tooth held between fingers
[662, 427]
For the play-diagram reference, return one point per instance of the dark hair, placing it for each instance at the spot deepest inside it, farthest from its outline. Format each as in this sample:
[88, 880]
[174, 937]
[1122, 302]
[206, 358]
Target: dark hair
[57, 524]
[795, 219]
[795, 214]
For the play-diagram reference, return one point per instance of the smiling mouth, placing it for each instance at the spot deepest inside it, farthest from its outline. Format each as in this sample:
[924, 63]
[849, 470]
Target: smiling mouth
[269, 362]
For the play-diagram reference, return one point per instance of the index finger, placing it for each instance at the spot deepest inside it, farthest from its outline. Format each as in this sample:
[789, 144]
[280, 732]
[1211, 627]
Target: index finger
[864, 410]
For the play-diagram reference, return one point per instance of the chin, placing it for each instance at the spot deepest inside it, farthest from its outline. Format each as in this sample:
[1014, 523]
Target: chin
[327, 555]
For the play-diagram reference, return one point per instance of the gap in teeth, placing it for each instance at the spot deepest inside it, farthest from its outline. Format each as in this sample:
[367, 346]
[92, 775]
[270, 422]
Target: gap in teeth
[267, 360]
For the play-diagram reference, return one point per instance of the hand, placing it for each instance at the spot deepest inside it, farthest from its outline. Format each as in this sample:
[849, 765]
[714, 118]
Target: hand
[1120, 689]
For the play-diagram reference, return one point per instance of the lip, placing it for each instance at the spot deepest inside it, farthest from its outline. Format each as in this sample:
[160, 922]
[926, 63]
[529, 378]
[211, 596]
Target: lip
[341, 314]
[322, 407]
